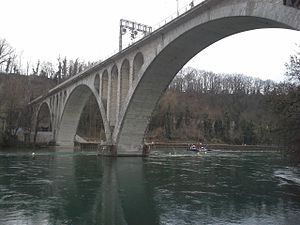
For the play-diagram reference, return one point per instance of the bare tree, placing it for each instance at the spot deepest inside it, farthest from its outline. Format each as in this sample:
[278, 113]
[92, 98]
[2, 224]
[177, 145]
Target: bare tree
[12, 65]
[64, 69]
[47, 70]
[35, 71]
[293, 68]
[6, 51]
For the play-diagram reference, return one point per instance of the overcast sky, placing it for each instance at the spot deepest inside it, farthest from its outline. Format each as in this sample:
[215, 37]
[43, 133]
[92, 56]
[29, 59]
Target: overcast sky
[88, 30]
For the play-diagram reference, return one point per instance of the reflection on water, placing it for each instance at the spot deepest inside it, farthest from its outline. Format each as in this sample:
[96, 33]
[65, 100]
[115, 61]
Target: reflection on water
[213, 188]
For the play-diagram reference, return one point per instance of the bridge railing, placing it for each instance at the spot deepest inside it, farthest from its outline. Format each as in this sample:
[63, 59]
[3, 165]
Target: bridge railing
[187, 8]
[168, 19]
[180, 11]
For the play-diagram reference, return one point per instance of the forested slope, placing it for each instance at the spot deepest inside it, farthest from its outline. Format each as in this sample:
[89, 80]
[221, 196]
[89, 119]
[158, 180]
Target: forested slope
[15, 93]
[208, 107]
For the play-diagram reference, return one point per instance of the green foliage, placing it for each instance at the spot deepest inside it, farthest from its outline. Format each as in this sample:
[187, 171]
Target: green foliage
[168, 124]
[285, 102]
[248, 132]
[219, 129]
[287, 108]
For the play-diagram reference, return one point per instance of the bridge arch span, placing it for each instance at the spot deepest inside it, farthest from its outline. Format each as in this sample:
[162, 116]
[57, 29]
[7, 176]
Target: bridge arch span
[71, 113]
[175, 47]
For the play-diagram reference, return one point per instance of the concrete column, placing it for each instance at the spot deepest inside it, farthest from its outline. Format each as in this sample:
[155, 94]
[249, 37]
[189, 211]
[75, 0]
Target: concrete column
[100, 86]
[130, 75]
[113, 101]
[118, 96]
[109, 97]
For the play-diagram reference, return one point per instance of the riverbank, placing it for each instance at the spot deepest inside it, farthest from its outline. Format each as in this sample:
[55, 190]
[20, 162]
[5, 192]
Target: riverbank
[222, 147]
[91, 146]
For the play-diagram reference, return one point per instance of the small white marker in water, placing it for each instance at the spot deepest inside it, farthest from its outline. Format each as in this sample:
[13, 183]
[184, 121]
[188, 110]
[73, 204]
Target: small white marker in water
[33, 154]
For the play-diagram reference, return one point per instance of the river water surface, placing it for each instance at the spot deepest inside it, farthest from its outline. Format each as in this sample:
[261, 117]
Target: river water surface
[166, 188]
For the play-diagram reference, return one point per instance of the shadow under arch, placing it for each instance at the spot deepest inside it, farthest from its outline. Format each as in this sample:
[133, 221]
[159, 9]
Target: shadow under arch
[43, 122]
[138, 62]
[71, 114]
[104, 89]
[97, 83]
[158, 73]
[113, 96]
[124, 83]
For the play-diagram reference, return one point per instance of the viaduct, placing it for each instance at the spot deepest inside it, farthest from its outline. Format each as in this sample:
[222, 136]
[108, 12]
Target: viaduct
[128, 85]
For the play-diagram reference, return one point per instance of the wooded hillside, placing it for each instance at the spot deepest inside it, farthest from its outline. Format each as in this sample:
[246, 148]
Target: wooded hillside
[15, 93]
[207, 107]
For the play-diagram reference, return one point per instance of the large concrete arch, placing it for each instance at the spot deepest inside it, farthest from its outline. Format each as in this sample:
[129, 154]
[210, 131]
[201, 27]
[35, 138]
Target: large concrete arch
[175, 47]
[71, 114]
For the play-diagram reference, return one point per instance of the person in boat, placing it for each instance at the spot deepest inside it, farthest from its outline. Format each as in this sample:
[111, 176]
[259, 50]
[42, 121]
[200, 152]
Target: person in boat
[193, 147]
[199, 145]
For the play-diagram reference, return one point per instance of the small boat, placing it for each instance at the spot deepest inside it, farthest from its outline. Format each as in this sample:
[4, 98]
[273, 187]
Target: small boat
[195, 148]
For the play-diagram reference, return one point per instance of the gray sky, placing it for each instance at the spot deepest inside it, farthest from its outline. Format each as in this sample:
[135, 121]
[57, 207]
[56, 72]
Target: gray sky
[88, 30]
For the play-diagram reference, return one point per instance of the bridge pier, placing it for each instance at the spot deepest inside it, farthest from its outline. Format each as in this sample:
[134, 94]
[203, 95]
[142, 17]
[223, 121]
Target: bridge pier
[107, 150]
[117, 151]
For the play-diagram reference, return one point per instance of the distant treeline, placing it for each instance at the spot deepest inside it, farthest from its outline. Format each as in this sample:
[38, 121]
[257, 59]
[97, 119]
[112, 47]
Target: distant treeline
[198, 81]
[16, 91]
[11, 63]
[225, 108]
[219, 108]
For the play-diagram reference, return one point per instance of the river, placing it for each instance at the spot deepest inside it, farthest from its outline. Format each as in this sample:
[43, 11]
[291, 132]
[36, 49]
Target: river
[65, 187]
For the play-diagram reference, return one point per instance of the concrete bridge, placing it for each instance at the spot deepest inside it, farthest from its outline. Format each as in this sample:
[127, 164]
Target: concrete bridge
[128, 85]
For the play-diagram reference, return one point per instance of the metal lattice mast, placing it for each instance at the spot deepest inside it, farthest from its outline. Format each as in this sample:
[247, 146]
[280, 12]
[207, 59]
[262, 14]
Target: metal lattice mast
[134, 28]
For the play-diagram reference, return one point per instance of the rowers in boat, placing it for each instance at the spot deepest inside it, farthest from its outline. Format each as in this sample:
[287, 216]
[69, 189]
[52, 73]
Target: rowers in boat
[197, 148]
